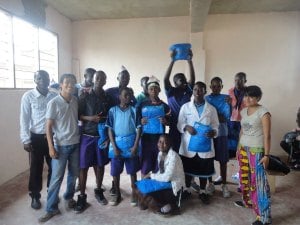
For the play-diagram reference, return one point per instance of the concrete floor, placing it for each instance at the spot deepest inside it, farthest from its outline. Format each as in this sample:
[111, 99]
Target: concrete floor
[15, 206]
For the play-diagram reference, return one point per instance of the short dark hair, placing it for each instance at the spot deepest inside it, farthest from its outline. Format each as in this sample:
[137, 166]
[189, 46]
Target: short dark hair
[178, 75]
[41, 72]
[90, 71]
[217, 79]
[241, 75]
[200, 84]
[66, 76]
[125, 89]
[253, 91]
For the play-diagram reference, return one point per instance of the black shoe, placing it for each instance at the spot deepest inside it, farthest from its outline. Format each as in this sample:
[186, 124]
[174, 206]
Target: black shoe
[36, 203]
[100, 197]
[81, 204]
[239, 204]
[185, 195]
[204, 198]
[257, 222]
[112, 191]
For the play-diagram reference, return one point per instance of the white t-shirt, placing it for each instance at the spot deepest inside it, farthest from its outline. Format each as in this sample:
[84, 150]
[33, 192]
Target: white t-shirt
[252, 128]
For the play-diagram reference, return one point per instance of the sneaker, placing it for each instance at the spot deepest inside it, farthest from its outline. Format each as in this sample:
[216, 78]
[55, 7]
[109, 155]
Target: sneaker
[115, 200]
[195, 186]
[204, 198]
[218, 180]
[36, 203]
[112, 191]
[239, 204]
[226, 193]
[70, 203]
[48, 216]
[210, 189]
[81, 204]
[133, 201]
[100, 197]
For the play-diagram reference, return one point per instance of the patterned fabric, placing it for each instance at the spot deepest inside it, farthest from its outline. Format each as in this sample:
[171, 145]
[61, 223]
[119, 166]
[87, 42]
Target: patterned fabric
[253, 182]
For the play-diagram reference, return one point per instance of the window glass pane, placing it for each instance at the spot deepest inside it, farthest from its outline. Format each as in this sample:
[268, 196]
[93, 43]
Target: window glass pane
[48, 53]
[6, 51]
[25, 37]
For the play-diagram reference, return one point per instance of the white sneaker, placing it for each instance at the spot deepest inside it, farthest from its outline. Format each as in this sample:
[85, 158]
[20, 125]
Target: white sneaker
[210, 189]
[226, 193]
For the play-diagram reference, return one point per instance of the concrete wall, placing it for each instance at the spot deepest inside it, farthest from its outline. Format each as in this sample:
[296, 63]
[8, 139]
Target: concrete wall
[14, 159]
[266, 47]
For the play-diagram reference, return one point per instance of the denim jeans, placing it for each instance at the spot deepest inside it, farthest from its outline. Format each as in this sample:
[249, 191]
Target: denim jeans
[68, 154]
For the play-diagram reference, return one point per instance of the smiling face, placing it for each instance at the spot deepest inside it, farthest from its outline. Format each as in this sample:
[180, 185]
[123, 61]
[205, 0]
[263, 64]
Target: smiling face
[199, 92]
[68, 85]
[163, 144]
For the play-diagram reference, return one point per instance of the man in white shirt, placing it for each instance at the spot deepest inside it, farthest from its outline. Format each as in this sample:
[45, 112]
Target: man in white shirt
[33, 133]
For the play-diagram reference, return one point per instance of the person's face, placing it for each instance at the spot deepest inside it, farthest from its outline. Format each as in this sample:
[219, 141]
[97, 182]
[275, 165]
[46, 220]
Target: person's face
[88, 77]
[216, 87]
[251, 101]
[239, 82]
[123, 78]
[199, 92]
[163, 144]
[180, 81]
[42, 80]
[153, 91]
[68, 86]
[99, 80]
[125, 97]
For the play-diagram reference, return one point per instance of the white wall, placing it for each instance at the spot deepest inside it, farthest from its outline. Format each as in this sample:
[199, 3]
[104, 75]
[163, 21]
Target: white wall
[265, 46]
[14, 159]
[141, 45]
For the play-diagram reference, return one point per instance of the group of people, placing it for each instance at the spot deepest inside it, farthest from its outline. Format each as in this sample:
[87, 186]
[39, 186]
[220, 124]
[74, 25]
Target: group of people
[86, 126]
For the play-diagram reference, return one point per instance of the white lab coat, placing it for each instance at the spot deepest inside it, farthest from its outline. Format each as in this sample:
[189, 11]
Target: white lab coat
[188, 115]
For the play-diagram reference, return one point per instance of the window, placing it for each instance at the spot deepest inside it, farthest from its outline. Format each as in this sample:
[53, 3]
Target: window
[24, 49]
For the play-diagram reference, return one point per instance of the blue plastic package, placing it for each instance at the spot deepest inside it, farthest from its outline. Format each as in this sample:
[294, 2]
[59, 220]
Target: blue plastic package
[219, 102]
[199, 142]
[153, 113]
[146, 186]
[182, 51]
[124, 144]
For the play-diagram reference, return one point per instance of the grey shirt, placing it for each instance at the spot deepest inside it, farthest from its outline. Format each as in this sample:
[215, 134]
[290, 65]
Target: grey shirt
[65, 116]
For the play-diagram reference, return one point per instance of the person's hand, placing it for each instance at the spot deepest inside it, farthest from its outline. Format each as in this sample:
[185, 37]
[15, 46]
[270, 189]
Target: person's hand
[190, 129]
[265, 161]
[28, 147]
[144, 120]
[163, 120]
[211, 134]
[117, 152]
[53, 153]
[221, 118]
[96, 118]
[133, 151]
[228, 99]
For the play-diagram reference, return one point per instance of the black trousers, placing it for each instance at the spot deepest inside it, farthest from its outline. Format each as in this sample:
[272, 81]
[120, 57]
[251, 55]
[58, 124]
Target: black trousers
[37, 157]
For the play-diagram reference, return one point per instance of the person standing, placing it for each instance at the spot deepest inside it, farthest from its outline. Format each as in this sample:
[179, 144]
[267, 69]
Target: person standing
[63, 140]
[253, 156]
[33, 133]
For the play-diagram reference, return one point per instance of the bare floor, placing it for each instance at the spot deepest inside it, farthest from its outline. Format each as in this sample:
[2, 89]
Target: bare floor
[15, 205]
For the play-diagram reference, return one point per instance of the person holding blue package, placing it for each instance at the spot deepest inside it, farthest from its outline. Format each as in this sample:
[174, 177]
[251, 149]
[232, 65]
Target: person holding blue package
[198, 122]
[93, 109]
[154, 114]
[222, 104]
[124, 133]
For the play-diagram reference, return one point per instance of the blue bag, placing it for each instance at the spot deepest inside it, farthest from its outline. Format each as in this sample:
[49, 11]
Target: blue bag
[102, 130]
[182, 51]
[146, 186]
[124, 143]
[222, 107]
[153, 113]
[199, 142]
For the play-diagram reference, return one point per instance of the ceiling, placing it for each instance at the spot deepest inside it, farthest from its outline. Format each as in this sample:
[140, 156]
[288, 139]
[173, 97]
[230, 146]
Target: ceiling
[77, 10]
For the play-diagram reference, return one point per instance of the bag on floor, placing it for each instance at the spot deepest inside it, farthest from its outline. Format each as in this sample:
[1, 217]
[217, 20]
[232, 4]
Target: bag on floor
[277, 165]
